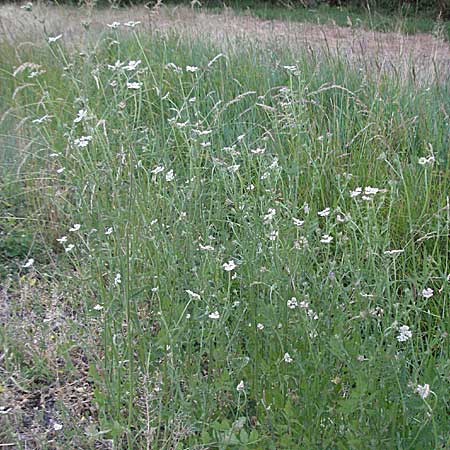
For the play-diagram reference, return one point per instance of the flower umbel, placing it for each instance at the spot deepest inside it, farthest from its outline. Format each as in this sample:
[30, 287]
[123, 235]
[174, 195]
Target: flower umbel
[404, 333]
[423, 391]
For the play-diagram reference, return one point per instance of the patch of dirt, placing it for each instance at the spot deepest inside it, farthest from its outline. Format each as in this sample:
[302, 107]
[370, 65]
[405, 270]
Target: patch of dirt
[423, 55]
[46, 392]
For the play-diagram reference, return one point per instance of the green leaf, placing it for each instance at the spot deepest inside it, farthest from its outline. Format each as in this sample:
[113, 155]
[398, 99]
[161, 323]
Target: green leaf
[243, 436]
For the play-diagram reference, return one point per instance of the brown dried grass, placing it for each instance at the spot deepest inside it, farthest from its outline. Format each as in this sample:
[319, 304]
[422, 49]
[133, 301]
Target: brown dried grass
[423, 54]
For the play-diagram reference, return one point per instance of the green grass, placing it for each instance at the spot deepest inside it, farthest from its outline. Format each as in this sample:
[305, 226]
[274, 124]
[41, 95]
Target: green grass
[198, 168]
[407, 21]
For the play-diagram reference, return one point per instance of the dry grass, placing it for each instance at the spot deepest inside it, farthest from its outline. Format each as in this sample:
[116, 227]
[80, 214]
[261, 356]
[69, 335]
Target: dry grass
[45, 374]
[423, 54]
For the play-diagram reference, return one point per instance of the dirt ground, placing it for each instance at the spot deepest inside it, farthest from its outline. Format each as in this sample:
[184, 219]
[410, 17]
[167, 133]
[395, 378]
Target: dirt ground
[425, 54]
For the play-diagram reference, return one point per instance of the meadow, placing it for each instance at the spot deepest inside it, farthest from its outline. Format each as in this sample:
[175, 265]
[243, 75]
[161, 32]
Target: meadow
[404, 20]
[221, 244]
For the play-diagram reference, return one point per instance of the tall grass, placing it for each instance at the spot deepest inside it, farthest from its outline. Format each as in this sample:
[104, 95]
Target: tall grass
[407, 20]
[250, 284]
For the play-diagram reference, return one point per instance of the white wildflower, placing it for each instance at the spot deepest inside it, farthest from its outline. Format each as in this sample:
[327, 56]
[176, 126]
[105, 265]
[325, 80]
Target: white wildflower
[57, 426]
[83, 141]
[109, 231]
[324, 213]
[326, 239]
[62, 239]
[69, 248]
[293, 69]
[75, 227]
[192, 294]
[269, 216]
[356, 192]
[117, 65]
[206, 247]
[260, 326]
[241, 386]
[229, 266]
[273, 235]
[132, 23]
[274, 164]
[368, 190]
[378, 311]
[287, 358]
[423, 391]
[393, 252]
[301, 242]
[28, 264]
[404, 333]
[157, 170]
[298, 222]
[202, 132]
[117, 279]
[132, 65]
[82, 114]
[192, 69]
[424, 161]
[113, 25]
[174, 67]
[170, 175]
[135, 85]
[214, 315]
[54, 39]
[41, 119]
[427, 293]
[98, 307]
[292, 303]
[60, 170]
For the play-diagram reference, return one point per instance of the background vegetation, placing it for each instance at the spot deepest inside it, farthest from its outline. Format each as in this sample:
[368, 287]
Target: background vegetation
[435, 7]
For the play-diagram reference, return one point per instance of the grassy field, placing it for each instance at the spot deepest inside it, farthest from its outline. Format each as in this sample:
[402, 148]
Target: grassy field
[207, 249]
[407, 21]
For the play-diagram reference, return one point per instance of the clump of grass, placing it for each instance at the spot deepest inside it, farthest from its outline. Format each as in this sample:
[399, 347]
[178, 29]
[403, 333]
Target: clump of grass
[262, 235]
